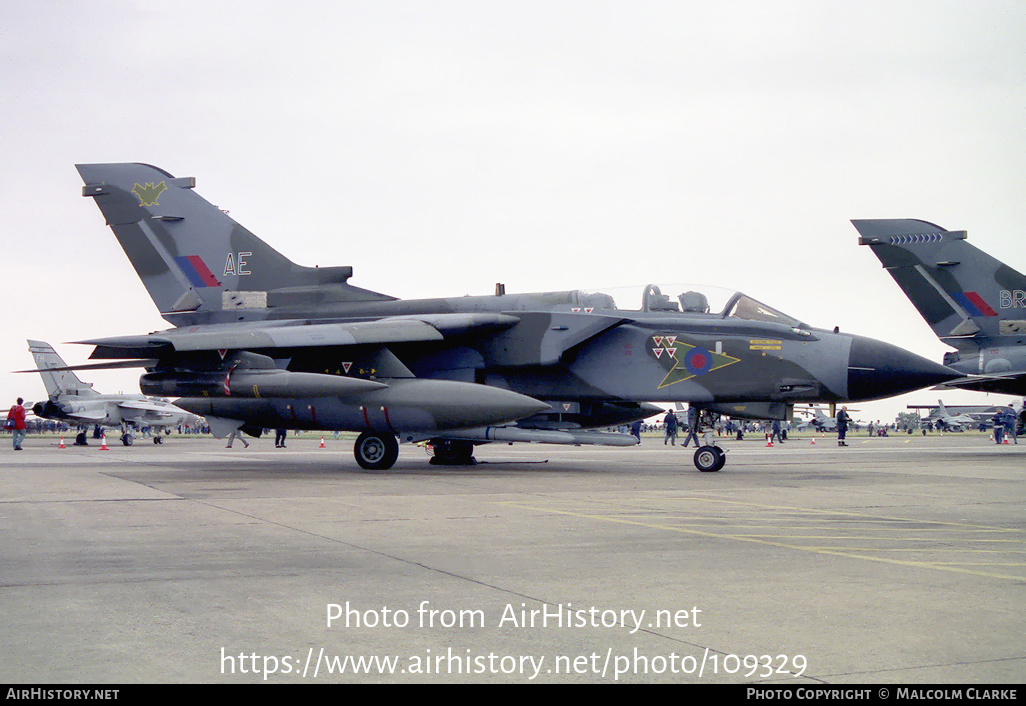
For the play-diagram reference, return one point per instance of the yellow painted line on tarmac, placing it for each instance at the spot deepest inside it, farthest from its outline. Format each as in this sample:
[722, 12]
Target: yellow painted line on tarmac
[802, 510]
[965, 550]
[846, 553]
[902, 539]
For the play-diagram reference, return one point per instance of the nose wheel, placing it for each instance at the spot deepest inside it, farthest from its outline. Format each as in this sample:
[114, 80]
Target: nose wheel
[709, 459]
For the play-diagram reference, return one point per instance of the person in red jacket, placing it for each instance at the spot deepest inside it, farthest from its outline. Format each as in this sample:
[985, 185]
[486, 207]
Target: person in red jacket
[17, 418]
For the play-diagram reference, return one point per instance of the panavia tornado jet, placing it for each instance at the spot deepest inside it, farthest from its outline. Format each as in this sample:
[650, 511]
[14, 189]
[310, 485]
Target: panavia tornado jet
[972, 301]
[260, 342]
[77, 402]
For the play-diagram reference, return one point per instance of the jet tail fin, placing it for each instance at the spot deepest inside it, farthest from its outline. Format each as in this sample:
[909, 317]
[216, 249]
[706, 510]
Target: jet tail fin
[198, 264]
[968, 298]
[58, 383]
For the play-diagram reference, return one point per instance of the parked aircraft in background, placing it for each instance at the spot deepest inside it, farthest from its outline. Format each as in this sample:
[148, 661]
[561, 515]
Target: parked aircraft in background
[819, 420]
[261, 342]
[946, 421]
[972, 301]
[978, 416]
[76, 402]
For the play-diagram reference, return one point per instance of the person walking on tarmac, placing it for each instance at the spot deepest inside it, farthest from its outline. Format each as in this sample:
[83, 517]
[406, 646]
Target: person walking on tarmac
[16, 423]
[842, 426]
[1010, 419]
[670, 427]
[999, 427]
[693, 422]
[236, 433]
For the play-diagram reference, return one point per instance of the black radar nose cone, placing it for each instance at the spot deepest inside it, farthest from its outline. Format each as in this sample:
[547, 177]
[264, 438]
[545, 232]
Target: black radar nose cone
[877, 370]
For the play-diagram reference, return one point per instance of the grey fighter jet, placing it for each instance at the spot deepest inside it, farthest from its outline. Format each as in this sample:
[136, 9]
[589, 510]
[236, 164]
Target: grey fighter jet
[970, 416]
[972, 301]
[819, 421]
[260, 342]
[72, 400]
[946, 421]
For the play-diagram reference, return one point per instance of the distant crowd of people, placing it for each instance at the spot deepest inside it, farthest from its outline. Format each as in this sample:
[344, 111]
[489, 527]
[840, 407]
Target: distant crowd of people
[1006, 423]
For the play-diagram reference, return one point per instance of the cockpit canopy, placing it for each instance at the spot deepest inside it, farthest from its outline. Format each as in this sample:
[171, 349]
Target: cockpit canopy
[690, 301]
[711, 301]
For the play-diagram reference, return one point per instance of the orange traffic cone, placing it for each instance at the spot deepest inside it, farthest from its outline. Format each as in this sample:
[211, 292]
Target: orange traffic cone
[103, 443]
[322, 444]
[769, 441]
[61, 445]
[813, 441]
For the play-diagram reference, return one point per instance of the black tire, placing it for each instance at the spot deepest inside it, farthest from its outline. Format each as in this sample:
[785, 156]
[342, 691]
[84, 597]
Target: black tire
[376, 452]
[723, 458]
[126, 439]
[709, 459]
[450, 452]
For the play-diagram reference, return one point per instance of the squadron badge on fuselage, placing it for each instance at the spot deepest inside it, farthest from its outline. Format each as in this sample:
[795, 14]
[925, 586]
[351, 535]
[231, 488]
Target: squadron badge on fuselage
[684, 361]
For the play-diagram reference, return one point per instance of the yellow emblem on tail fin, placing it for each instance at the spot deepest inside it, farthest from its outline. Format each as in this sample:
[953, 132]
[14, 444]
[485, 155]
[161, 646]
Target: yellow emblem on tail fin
[149, 194]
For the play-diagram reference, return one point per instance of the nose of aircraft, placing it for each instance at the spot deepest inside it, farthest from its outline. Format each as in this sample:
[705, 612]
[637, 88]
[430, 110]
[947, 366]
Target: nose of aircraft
[877, 370]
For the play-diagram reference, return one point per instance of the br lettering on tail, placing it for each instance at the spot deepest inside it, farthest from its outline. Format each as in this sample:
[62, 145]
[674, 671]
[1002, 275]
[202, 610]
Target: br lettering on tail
[973, 302]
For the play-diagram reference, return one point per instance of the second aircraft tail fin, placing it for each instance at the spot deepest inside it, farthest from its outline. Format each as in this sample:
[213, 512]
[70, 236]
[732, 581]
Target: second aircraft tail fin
[59, 384]
[969, 299]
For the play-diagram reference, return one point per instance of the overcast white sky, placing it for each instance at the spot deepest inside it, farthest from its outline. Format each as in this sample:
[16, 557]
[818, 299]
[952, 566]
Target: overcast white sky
[440, 147]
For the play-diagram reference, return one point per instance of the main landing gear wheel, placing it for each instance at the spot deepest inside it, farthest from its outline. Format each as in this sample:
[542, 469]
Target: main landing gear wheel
[376, 452]
[127, 439]
[710, 458]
